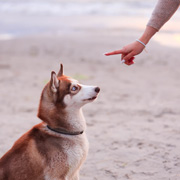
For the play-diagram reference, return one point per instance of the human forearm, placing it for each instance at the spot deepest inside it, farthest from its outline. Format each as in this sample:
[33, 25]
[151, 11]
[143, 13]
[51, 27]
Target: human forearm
[148, 34]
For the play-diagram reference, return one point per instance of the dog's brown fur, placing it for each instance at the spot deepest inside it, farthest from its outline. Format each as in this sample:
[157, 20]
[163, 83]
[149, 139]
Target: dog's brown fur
[41, 154]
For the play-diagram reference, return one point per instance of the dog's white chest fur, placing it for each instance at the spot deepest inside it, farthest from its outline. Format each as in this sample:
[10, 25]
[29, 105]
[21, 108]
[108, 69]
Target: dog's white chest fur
[77, 155]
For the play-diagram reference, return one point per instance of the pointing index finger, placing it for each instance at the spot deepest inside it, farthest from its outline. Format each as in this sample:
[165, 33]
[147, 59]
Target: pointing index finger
[113, 53]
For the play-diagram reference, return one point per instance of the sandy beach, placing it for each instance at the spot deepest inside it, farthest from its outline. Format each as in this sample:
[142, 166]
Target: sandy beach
[133, 127]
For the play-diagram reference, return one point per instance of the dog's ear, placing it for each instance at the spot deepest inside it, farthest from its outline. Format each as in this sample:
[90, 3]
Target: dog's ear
[60, 73]
[54, 82]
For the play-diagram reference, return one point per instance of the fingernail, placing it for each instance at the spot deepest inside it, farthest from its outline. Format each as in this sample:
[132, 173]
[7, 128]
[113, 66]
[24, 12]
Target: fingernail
[105, 54]
[123, 61]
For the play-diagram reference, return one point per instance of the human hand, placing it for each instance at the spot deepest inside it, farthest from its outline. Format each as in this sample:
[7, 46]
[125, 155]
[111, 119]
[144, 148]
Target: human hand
[128, 52]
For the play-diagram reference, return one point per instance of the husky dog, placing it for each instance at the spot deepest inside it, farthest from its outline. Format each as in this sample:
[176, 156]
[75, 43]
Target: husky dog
[56, 148]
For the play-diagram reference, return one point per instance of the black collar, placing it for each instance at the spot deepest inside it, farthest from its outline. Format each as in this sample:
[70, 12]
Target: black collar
[65, 132]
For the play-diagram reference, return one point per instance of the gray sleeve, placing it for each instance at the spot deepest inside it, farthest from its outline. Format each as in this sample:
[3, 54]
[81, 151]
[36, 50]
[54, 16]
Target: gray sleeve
[163, 12]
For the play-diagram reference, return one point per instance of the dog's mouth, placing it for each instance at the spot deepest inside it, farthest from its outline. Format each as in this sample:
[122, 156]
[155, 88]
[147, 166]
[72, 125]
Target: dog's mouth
[90, 99]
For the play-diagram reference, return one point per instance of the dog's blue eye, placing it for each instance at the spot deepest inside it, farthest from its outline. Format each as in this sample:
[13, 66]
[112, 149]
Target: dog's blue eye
[74, 88]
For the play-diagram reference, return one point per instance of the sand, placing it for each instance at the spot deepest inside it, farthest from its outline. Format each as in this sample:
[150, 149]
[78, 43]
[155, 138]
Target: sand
[134, 126]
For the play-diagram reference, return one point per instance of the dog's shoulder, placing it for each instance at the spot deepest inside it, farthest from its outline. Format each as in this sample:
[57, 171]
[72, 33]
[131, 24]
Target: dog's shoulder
[21, 151]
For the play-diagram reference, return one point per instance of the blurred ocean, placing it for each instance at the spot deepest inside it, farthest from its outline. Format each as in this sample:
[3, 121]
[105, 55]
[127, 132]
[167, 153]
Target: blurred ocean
[24, 17]
[69, 8]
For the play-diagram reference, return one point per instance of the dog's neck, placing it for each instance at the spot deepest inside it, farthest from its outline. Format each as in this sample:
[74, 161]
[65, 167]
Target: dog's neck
[70, 120]
[75, 119]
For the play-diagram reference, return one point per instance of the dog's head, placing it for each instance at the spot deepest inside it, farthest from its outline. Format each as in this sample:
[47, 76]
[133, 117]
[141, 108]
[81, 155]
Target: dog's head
[68, 92]
[63, 92]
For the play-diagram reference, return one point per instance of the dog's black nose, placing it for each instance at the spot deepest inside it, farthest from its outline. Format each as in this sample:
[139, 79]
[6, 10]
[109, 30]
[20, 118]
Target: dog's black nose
[97, 89]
